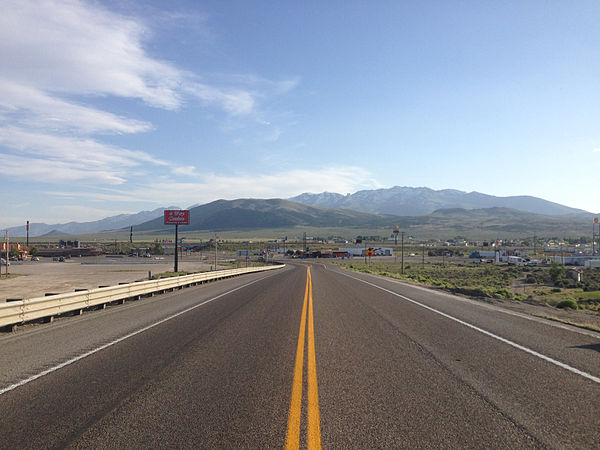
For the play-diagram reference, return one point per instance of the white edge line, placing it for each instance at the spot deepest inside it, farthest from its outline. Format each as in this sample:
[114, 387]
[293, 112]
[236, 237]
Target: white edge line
[116, 341]
[487, 333]
[495, 308]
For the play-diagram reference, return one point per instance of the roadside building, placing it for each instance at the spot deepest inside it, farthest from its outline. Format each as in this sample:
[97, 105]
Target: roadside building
[360, 251]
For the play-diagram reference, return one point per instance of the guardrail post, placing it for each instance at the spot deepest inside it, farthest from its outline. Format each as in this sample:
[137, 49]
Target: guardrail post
[9, 328]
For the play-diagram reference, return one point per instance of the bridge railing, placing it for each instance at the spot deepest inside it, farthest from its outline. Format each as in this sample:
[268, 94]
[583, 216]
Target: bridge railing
[17, 312]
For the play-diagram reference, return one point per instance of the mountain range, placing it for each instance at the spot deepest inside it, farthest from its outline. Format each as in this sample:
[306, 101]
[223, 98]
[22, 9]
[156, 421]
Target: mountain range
[252, 214]
[109, 223]
[418, 201]
[424, 208]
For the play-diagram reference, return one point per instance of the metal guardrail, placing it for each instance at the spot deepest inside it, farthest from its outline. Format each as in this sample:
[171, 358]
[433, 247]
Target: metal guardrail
[18, 312]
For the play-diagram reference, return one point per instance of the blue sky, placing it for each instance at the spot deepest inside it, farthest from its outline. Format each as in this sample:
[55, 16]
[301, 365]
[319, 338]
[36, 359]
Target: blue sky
[113, 107]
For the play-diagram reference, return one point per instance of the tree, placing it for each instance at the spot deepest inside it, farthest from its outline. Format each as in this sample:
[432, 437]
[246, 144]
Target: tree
[158, 249]
[556, 271]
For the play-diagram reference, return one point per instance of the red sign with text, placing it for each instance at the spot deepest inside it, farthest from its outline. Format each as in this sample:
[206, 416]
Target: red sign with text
[177, 217]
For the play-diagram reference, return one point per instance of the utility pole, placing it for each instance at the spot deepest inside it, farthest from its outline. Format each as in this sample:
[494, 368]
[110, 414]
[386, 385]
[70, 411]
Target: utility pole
[595, 236]
[402, 255]
[423, 254]
[216, 251]
[6, 254]
[27, 245]
[562, 256]
[396, 231]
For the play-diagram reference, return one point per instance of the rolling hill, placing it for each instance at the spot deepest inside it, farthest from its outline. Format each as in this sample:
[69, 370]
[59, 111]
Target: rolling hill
[272, 213]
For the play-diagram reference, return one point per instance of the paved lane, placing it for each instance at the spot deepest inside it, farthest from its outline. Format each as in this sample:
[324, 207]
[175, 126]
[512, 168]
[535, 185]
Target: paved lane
[340, 359]
[218, 376]
[409, 377]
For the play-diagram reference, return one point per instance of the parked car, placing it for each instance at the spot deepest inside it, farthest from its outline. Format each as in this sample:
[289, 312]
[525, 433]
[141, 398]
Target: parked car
[35, 258]
[4, 263]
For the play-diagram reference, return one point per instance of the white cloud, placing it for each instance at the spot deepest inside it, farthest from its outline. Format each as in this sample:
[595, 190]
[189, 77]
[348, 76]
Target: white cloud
[59, 57]
[38, 109]
[189, 171]
[234, 101]
[35, 169]
[51, 50]
[77, 151]
[597, 150]
[81, 48]
[283, 184]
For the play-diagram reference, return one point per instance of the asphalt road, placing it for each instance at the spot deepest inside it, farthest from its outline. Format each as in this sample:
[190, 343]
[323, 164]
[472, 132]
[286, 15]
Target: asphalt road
[302, 357]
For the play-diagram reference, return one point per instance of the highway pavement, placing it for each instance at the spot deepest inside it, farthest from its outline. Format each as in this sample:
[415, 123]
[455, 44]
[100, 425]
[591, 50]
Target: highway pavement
[307, 356]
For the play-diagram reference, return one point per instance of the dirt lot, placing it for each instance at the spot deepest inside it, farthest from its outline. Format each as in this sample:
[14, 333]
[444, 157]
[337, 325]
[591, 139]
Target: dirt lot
[37, 278]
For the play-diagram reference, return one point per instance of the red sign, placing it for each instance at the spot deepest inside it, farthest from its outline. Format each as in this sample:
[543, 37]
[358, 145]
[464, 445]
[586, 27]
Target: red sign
[177, 217]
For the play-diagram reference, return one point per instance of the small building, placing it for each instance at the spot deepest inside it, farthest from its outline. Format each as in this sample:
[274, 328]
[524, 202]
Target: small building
[360, 251]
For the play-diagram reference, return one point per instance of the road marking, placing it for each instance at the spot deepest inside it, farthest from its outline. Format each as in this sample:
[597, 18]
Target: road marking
[487, 333]
[571, 328]
[314, 420]
[116, 341]
[292, 440]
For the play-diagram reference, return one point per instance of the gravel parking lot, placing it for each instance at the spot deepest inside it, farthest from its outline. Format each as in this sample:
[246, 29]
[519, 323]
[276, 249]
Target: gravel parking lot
[36, 278]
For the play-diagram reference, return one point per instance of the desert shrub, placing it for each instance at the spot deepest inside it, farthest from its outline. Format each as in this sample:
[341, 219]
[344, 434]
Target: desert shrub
[502, 293]
[568, 303]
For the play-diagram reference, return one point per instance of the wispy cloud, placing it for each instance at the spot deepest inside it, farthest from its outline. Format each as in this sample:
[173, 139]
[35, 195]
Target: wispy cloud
[78, 160]
[38, 169]
[82, 48]
[72, 149]
[212, 187]
[234, 101]
[597, 150]
[32, 107]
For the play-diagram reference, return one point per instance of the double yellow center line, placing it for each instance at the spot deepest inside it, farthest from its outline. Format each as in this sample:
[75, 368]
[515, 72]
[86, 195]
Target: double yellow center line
[314, 423]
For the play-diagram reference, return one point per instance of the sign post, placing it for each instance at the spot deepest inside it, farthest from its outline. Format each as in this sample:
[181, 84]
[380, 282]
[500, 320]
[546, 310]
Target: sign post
[370, 253]
[177, 217]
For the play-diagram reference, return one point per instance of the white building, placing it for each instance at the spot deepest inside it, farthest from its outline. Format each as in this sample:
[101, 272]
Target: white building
[360, 251]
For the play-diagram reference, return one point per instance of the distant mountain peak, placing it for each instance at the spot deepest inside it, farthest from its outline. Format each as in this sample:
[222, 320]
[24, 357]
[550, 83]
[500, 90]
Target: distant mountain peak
[37, 229]
[418, 201]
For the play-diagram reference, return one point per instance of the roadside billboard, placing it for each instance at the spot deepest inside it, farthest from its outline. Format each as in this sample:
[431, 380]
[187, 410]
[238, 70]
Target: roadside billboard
[177, 217]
